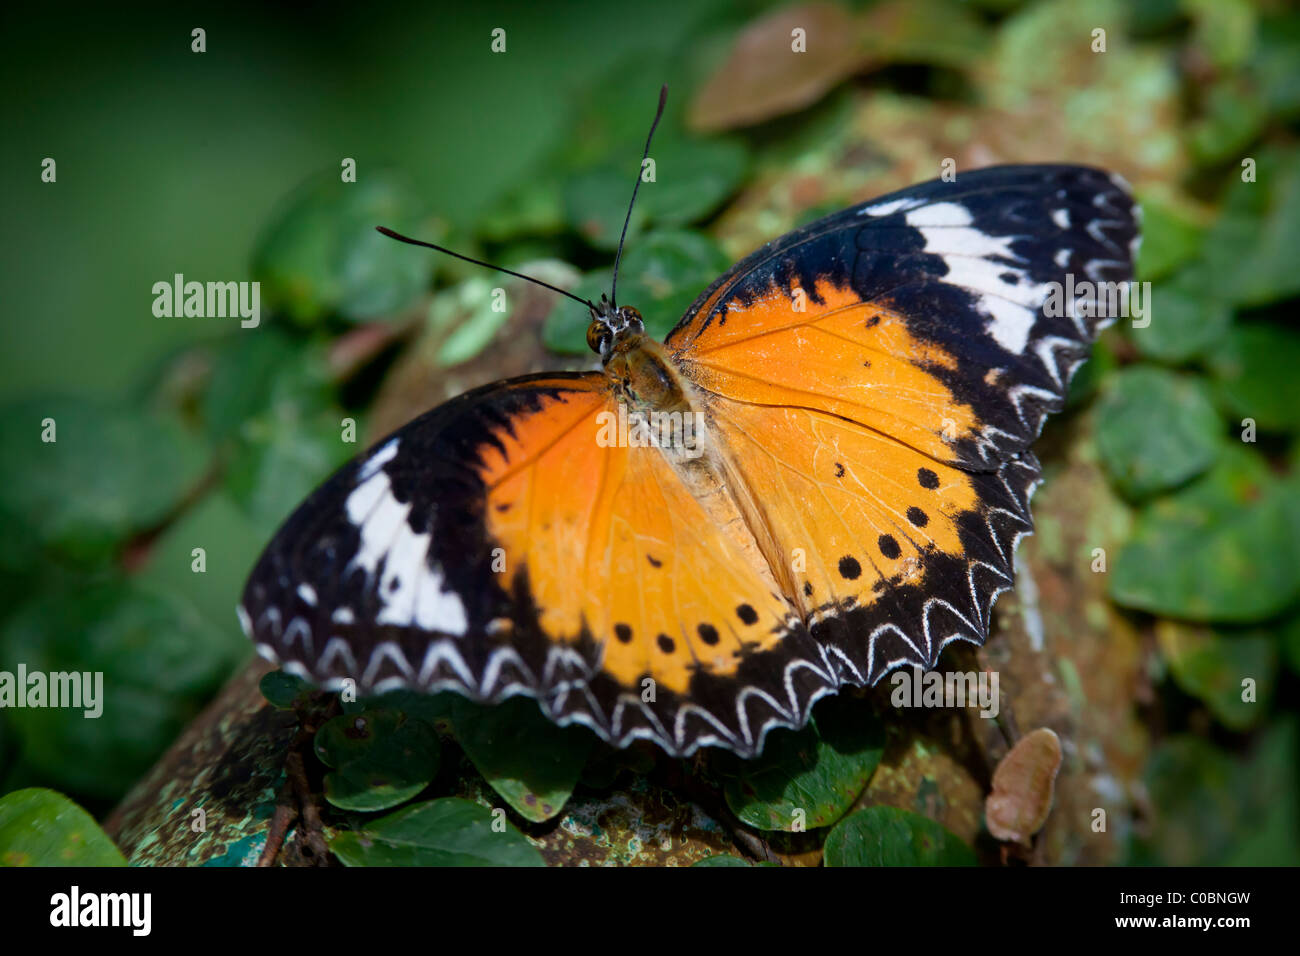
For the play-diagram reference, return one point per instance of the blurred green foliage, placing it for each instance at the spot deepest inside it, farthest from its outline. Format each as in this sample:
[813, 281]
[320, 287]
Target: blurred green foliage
[889, 836]
[444, 832]
[177, 434]
[379, 759]
[42, 828]
[808, 778]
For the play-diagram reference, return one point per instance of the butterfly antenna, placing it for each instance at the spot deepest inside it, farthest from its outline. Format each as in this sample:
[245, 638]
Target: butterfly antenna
[479, 262]
[613, 289]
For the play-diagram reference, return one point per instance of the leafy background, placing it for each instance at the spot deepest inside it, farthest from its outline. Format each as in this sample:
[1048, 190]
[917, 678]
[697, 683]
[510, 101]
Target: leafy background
[183, 433]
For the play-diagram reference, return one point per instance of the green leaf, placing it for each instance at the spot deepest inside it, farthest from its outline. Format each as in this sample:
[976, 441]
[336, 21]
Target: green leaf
[1234, 116]
[527, 759]
[1250, 251]
[288, 432]
[888, 836]
[1038, 59]
[661, 275]
[1291, 642]
[44, 828]
[475, 319]
[468, 314]
[445, 832]
[283, 691]
[1256, 371]
[1273, 66]
[665, 273]
[1226, 548]
[1211, 665]
[1094, 373]
[7, 751]
[282, 461]
[1224, 30]
[613, 115]
[819, 770]
[725, 860]
[533, 207]
[606, 763]
[111, 471]
[290, 446]
[157, 658]
[380, 758]
[1154, 17]
[1213, 810]
[692, 177]
[433, 709]
[231, 544]
[1188, 318]
[932, 32]
[595, 204]
[248, 373]
[1197, 790]
[565, 327]
[1171, 235]
[323, 255]
[1270, 835]
[1155, 430]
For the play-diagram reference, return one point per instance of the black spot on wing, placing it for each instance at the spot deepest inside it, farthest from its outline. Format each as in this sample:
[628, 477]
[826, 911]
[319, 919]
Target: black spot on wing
[952, 598]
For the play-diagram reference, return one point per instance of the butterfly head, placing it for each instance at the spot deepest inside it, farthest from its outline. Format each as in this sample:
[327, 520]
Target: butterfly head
[609, 324]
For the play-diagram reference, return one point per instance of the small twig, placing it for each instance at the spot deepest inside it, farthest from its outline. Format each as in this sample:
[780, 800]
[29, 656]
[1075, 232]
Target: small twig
[312, 825]
[296, 799]
[1006, 721]
[752, 843]
[713, 803]
[285, 814]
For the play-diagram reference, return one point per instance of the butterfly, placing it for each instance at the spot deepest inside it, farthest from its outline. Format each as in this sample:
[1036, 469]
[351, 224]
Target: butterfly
[841, 491]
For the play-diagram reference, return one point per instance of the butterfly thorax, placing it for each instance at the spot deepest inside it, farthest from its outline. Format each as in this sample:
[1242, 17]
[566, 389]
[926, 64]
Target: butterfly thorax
[643, 375]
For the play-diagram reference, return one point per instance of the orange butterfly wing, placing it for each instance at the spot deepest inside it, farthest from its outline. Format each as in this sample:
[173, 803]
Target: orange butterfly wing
[501, 544]
[877, 378]
[657, 609]
[893, 554]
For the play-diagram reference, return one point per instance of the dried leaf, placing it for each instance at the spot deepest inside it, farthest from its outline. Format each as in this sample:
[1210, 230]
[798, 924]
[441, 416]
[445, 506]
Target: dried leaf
[1022, 787]
[765, 76]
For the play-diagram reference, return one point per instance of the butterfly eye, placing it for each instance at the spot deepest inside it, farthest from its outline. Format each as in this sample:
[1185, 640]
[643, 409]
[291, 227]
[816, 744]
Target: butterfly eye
[633, 317]
[597, 337]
